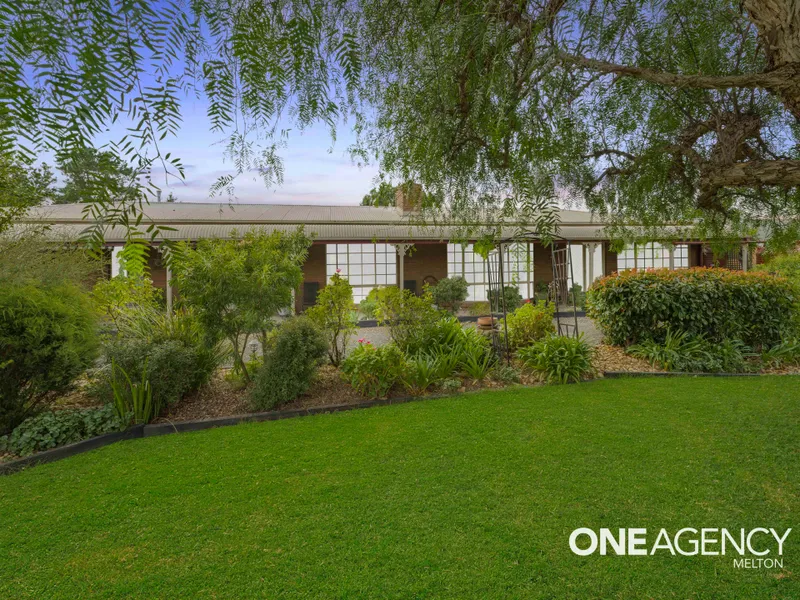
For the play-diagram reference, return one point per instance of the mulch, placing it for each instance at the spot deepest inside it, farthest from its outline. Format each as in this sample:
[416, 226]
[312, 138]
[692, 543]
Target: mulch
[613, 358]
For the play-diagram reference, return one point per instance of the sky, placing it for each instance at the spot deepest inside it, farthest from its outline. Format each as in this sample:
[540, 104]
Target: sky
[315, 171]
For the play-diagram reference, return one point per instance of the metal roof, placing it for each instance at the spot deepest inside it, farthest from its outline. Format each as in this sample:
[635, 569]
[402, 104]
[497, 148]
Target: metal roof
[193, 221]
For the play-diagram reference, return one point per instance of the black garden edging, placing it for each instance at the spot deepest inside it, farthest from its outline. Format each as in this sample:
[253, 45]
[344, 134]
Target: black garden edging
[47, 456]
[140, 431]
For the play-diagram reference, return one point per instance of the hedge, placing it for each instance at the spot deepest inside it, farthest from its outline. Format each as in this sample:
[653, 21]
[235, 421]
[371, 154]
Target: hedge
[756, 308]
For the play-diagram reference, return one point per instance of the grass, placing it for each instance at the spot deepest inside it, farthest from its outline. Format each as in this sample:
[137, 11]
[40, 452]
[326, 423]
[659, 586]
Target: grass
[466, 497]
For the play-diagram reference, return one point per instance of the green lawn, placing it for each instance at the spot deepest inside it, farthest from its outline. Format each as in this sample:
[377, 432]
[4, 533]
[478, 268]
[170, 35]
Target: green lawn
[466, 497]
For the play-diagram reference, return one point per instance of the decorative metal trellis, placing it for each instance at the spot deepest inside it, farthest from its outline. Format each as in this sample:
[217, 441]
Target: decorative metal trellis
[560, 292]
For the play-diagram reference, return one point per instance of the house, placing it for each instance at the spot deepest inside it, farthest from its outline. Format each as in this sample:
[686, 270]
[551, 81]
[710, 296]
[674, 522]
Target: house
[377, 246]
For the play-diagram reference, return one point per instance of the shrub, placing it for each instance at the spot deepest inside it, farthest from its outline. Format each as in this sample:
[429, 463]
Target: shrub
[369, 305]
[450, 293]
[172, 368]
[448, 360]
[290, 365]
[420, 373]
[115, 296]
[333, 316]
[373, 371]
[57, 428]
[579, 296]
[47, 339]
[529, 323]
[718, 304]
[559, 359]
[512, 299]
[410, 318]
[506, 374]
[477, 360]
[450, 385]
[179, 356]
[237, 286]
[479, 309]
[788, 266]
[682, 352]
[784, 353]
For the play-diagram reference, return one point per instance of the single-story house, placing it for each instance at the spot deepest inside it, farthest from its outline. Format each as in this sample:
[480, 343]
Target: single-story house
[377, 246]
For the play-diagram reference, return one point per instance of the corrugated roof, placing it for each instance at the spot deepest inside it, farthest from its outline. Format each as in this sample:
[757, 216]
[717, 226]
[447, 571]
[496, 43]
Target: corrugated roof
[193, 221]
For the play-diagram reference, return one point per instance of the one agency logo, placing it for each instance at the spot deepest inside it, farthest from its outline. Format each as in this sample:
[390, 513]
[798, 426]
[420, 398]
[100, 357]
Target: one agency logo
[752, 549]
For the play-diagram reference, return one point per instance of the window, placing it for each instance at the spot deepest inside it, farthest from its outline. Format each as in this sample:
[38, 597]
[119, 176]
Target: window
[462, 261]
[366, 266]
[652, 256]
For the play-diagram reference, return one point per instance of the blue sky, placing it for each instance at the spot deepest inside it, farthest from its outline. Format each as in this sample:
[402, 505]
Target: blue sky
[315, 172]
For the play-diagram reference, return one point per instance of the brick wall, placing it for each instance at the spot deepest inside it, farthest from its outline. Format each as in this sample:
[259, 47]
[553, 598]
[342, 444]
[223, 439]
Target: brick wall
[542, 264]
[610, 260]
[425, 260]
[313, 271]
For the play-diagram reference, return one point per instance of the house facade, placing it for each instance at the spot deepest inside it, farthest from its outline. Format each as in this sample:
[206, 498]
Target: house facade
[379, 246]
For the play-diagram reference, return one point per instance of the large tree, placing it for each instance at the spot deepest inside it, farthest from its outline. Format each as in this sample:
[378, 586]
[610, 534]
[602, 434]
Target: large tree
[657, 111]
[93, 176]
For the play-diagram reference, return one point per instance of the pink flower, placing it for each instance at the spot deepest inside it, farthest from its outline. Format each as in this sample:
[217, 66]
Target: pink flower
[338, 270]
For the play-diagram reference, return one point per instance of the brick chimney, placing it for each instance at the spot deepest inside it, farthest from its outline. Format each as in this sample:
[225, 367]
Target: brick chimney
[408, 197]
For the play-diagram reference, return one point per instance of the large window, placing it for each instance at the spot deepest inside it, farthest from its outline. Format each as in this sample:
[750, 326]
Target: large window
[652, 256]
[462, 261]
[366, 266]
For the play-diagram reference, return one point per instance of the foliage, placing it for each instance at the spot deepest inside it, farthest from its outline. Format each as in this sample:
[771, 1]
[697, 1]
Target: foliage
[133, 401]
[528, 324]
[333, 316]
[290, 364]
[506, 374]
[21, 186]
[172, 369]
[47, 339]
[450, 293]
[479, 309]
[369, 305]
[179, 356]
[450, 385]
[373, 371]
[786, 265]
[447, 359]
[91, 175]
[688, 115]
[381, 195]
[756, 308]
[52, 429]
[410, 318]
[28, 256]
[577, 293]
[115, 296]
[559, 359]
[420, 373]
[510, 297]
[477, 360]
[236, 287]
[785, 353]
[682, 352]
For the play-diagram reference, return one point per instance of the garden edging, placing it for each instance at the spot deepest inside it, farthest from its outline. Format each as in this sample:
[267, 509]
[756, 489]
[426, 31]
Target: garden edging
[137, 431]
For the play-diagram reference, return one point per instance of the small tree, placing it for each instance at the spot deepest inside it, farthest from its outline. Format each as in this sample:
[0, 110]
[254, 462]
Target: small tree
[333, 315]
[237, 286]
[116, 295]
[450, 293]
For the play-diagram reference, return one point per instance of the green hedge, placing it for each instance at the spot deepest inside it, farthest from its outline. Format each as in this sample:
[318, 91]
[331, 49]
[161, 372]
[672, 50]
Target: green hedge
[756, 308]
